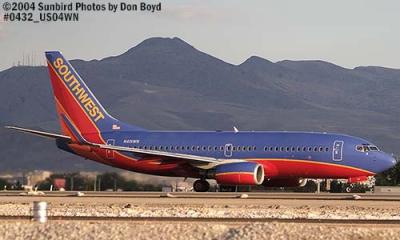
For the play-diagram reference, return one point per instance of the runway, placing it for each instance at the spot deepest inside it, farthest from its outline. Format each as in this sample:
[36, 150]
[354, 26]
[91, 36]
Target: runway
[204, 215]
[216, 195]
[192, 199]
[207, 205]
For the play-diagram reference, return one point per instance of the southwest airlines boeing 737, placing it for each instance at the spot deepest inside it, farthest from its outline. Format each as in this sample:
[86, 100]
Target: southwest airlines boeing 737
[231, 158]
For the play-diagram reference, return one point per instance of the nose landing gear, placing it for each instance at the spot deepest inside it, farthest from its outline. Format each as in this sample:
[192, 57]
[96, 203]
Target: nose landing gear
[201, 185]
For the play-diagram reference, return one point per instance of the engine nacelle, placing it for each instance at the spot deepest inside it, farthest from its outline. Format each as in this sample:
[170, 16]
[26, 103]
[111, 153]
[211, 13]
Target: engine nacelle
[357, 179]
[241, 173]
[285, 182]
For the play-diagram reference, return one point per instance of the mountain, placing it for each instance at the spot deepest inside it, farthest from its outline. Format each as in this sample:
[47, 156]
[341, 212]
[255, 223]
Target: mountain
[167, 84]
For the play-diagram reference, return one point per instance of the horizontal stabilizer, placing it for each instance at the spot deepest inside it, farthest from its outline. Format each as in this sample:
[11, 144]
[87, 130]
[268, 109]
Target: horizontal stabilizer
[39, 133]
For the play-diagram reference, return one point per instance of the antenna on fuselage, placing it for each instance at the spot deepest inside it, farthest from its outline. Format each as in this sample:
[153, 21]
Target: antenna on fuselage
[235, 129]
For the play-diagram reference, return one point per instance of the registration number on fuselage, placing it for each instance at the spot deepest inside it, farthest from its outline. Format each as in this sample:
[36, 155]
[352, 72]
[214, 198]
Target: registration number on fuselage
[131, 141]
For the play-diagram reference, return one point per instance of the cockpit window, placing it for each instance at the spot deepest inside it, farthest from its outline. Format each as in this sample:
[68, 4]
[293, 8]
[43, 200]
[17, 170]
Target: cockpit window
[366, 148]
[373, 148]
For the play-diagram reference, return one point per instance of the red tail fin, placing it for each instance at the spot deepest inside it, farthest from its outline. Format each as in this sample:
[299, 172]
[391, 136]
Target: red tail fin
[78, 109]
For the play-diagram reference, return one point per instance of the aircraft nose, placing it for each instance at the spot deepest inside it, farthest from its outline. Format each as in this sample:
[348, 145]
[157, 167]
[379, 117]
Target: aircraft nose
[383, 162]
[389, 161]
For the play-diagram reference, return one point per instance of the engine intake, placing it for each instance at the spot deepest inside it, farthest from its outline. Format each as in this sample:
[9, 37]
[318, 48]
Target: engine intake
[241, 173]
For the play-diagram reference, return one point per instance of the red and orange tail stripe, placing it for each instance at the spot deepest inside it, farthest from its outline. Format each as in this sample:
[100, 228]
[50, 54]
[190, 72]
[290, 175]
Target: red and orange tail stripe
[74, 100]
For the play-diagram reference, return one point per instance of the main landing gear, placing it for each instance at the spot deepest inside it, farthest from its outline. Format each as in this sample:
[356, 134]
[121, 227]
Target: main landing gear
[201, 185]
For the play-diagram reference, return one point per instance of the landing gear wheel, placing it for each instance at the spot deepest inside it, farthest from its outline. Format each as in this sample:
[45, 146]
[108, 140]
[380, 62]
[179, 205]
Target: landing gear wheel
[201, 186]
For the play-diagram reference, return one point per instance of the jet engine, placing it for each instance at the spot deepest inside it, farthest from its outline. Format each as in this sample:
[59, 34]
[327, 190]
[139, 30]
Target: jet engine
[240, 173]
[357, 179]
[285, 182]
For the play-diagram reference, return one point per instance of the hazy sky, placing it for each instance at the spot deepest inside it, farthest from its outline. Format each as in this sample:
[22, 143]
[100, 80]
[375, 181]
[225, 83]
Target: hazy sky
[346, 32]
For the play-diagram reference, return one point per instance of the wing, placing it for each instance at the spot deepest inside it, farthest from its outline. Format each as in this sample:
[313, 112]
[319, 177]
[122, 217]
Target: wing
[159, 153]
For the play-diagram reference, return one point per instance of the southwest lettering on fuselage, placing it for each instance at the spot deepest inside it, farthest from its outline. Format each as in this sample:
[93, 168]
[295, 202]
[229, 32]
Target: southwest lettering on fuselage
[76, 88]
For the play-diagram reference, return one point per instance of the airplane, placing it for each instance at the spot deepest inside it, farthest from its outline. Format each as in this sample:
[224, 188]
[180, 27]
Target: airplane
[232, 158]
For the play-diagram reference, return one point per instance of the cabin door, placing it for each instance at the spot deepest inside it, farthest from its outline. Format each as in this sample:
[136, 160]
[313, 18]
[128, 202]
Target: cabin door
[228, 150]
[109, 152]
[337, 154]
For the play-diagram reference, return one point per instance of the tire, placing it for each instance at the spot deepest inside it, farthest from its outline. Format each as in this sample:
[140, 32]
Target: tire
[201, 186]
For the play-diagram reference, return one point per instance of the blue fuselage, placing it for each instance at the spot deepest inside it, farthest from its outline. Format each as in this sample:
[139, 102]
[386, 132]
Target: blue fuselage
[322, 148]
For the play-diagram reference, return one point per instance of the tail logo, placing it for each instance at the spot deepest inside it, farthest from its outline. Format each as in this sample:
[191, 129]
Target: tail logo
[77, 90]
